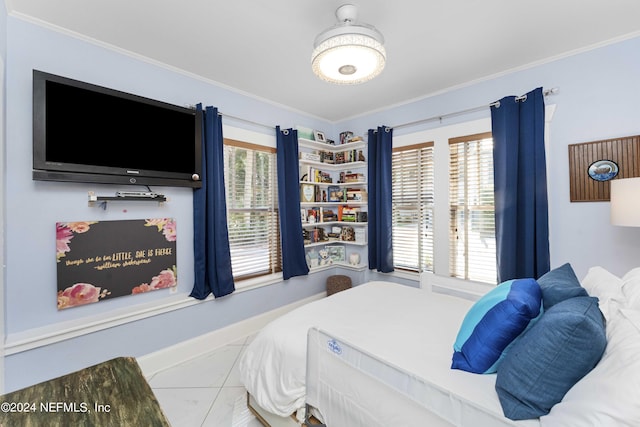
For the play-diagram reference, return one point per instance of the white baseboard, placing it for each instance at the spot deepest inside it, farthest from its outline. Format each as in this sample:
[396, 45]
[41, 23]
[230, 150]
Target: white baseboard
[157, 361]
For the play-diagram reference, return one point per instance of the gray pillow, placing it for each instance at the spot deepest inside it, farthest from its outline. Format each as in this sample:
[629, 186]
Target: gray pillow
[561, 348]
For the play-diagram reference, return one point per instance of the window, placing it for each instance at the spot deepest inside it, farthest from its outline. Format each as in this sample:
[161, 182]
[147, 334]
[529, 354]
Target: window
[252, 214]
[412, 207]
[472, 222]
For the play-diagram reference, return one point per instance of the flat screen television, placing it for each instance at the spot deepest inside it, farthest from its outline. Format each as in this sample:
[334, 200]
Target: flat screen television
[88, 133]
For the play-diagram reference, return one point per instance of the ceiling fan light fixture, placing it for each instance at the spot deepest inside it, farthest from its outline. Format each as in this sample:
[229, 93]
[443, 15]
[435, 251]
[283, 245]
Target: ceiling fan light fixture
[349, 52]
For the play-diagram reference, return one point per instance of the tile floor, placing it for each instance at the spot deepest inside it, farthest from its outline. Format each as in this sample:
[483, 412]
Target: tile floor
[206, 391]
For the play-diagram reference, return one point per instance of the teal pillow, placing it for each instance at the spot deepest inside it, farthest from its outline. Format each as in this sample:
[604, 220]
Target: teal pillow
[561, 348]
[493, 323]
[560, 284]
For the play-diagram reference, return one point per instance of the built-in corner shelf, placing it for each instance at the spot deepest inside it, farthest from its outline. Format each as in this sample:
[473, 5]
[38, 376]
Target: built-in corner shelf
[102, 200]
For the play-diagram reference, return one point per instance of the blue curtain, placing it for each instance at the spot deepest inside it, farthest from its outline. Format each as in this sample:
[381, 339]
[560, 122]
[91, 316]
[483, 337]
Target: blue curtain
[212, 257]
[379, 216]
[520, 180]
[293, 256]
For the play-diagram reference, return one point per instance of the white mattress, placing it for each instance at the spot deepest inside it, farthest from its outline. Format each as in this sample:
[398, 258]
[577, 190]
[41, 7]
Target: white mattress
[407, 328]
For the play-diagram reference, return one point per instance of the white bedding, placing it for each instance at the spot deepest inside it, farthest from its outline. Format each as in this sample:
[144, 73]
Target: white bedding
[406, 327]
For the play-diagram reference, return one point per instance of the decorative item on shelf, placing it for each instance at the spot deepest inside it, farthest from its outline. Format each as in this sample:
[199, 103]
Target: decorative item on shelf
[314, 215]
[348, 234]
[323, 257]
[360, 156]
[354, 258]
[336, 253]
[307, 193]
[336, 193]
[303, 215]
[319, 136]
[304, 133]
[361, 216]
[313, 157]
[312, 258]
[360, 235]
[345, 136]
[335, 233]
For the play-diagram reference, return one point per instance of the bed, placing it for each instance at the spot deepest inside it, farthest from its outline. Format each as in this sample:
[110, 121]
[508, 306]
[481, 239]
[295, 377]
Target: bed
[380, 354]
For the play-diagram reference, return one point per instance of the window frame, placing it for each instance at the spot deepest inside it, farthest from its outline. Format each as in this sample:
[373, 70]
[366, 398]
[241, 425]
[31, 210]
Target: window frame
[421, 201]
[274, 249]
[467, 210]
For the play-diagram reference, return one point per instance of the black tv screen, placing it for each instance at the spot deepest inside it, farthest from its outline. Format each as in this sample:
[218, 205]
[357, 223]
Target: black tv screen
[88, 133]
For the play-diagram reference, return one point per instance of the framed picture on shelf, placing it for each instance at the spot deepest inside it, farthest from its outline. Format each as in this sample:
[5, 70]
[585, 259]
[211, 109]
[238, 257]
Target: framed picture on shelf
[336, 193]
[319, 136]
[303, 215]
[307, 193]
[336, 253]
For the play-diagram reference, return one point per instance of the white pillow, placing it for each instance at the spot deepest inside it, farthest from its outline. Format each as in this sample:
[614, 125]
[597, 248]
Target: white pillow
[607, 287]
[631, 288]
[632, 316]
[608, 395]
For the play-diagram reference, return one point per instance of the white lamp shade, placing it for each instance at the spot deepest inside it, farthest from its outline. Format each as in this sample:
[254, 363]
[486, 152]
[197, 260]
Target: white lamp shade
[350, 52]
[348, 59]
[625, 202]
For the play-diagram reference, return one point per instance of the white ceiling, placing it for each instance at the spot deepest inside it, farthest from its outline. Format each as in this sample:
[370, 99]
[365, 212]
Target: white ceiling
[263, 47]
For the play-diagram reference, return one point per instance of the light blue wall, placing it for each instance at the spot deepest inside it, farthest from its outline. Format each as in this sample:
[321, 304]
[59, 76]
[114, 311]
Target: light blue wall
[597, 99]
[33, 208]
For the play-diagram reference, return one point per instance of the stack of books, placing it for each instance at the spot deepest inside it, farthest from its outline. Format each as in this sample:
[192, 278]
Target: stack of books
[356, 195]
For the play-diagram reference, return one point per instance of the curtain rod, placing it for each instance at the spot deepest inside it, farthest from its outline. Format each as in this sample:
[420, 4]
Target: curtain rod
[467, 111]
[247, 121]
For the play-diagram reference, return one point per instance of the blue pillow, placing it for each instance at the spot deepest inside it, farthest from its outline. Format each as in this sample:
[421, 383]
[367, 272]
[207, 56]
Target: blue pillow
[561, 348]
[493, 323]
[560, 284]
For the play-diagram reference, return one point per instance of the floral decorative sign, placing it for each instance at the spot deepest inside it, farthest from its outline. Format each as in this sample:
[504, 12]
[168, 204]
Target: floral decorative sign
[99, 260]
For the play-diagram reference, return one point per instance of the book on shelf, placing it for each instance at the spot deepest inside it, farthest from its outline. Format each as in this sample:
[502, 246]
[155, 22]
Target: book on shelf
[320, 214]
[313, 235]
[353, 177]
[356, 195]
[326, 157]
[310, 174]
[351, 214]
[328, 215]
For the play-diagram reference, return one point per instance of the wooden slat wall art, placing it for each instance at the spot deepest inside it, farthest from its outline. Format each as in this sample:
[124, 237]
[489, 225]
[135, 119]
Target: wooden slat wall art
[625, 152]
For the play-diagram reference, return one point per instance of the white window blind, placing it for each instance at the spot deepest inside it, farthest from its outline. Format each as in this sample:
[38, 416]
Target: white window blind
[252, 214]
[472, 222]
[412, 207]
